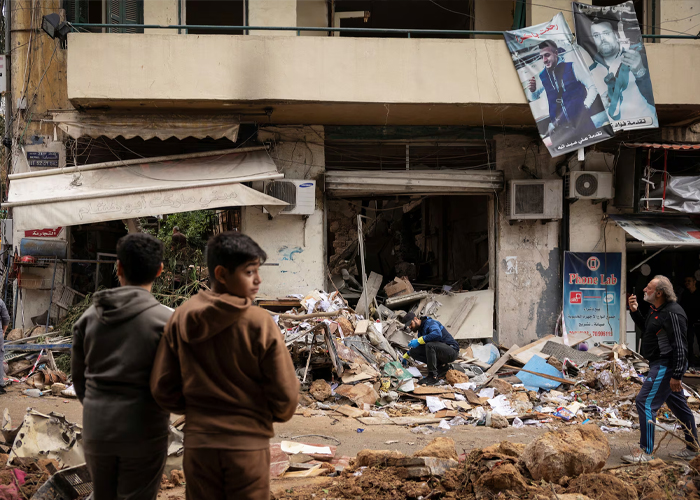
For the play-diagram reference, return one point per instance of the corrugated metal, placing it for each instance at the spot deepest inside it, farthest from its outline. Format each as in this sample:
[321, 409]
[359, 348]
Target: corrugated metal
[147, 126]
[660, 230]
[364, 183]
[652, 145]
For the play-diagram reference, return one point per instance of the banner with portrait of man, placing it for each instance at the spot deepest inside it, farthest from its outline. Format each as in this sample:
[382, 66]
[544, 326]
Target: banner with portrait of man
[611, 37]
[557, 83]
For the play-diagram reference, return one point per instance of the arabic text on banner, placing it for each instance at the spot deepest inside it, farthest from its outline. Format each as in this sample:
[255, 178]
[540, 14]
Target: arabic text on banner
[592, 294]
[558, 85]
[614, 50]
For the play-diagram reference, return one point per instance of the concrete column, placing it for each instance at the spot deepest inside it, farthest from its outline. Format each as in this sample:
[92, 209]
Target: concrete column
[163, 12]
[272, 13]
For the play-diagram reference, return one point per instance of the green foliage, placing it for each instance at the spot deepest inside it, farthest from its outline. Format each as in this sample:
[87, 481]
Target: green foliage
[196, 226]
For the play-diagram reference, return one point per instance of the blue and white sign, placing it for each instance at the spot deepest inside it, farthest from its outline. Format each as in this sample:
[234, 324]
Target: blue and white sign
[592, 294]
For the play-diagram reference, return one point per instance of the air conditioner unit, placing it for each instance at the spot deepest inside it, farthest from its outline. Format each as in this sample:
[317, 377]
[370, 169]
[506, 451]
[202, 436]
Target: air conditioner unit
[300, 194]
[584, 185]
[534, 199]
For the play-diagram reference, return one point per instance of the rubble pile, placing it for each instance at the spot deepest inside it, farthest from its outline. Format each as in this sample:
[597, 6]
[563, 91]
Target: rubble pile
[350, 367]
[505, 471]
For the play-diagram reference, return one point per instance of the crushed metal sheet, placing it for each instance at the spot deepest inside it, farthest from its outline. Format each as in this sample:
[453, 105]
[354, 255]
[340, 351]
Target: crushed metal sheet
[559, 351]
[49, 436]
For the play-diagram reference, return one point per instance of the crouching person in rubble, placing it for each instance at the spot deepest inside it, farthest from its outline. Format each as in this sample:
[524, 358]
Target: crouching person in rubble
[223, 363]
[125, 432]
[664, 346]
[434, 346]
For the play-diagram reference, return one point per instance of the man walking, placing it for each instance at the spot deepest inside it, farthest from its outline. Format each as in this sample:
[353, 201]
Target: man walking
[435, 346]
[5, 317]
[664, 346]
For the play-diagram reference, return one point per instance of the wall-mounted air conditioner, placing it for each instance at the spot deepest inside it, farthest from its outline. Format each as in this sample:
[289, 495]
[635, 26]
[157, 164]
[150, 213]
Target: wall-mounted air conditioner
[300, 194]
[584, 185]
[534, 199]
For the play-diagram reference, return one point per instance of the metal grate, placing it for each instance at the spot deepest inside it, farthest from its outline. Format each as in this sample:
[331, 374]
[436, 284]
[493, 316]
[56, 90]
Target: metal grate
[529, 199]
[285, 191]
[586, 185]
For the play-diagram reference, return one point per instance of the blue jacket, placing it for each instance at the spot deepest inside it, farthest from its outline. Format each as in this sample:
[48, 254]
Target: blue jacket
[573, 94]
[432, 331]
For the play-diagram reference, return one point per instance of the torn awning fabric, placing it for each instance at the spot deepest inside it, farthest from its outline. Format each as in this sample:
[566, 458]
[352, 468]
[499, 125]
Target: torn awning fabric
[660, 230]
[140, 188]
[146, 126]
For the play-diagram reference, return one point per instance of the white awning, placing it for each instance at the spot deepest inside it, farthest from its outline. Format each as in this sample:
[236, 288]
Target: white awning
[660, 231]
[391, 182]
[146, 126]
[139, 188]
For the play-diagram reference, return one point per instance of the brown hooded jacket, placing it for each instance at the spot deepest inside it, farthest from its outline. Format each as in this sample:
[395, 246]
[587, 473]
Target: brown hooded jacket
[223, 363]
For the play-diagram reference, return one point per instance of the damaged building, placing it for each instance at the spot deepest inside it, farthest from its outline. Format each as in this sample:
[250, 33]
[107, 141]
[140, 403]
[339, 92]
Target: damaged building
[340, 135]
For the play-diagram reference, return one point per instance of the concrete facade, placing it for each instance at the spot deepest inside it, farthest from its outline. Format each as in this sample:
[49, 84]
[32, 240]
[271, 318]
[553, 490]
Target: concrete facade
[295, 244]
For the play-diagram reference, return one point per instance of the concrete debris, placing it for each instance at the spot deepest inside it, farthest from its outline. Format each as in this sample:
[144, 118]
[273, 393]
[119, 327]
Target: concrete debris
[559, 454]
[456, 377]
[440, 447]
[499, 421]
[320, 390]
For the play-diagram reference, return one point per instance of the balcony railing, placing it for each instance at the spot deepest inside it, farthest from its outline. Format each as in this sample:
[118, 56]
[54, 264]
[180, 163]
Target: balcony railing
[298, 29]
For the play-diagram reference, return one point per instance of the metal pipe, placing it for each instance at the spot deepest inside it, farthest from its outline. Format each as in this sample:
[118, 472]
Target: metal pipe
[152, 189]
[8, 74]
[135, 161]
[327, 29]
[663, 201]
[647, 259]
[53, 282]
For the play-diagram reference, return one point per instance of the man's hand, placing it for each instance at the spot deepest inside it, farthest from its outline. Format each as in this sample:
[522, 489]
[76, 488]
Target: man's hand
[404, 362]
[632, 302]
[676, 385]
[532, 85]
[633, 59]
[413, 344]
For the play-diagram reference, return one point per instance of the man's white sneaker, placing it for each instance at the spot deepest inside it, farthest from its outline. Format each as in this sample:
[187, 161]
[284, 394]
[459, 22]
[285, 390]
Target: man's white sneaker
[686, 454]
[637, 456]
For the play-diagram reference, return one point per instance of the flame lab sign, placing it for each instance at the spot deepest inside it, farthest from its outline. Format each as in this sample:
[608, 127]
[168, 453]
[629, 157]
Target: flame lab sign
[592, 294]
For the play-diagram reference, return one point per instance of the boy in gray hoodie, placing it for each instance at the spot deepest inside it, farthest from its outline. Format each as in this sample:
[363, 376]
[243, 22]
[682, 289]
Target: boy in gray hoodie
[115, 341]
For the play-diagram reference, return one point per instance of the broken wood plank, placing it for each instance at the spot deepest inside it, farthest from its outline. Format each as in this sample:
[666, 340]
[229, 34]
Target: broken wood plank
[543, 375]
[299, 317]
[375, 421]
[374, 282]
[502, 360]
[427, 390]
[351, 411]
[460, 315]
[415, 420]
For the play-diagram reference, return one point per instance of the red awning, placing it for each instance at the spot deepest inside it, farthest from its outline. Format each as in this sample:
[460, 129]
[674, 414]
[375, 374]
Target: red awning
[650, 145]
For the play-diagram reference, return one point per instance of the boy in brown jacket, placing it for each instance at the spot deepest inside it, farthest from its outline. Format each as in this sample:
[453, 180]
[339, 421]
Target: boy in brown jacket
[223, 363]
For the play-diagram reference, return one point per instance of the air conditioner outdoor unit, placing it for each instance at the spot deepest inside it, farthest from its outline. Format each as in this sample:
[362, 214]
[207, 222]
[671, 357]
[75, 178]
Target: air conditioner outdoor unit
[534, 199]
[583, 185]
[300, 194]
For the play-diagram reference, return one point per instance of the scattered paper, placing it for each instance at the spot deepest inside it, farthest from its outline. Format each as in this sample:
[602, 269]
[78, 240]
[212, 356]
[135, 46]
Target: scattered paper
[407, 386]
[434, 404]
[501, 405]
[517, 423]
[415, 372]
[444, 425]
[292, 448]
[466, 386]
[487, 393]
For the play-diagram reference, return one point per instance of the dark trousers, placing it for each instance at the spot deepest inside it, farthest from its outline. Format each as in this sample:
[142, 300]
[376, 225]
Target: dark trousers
[434, 354]
[656, 391]
[214, 474]
[116, 477]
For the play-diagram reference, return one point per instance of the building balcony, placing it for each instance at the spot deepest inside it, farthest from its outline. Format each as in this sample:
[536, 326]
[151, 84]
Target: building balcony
[334, 80]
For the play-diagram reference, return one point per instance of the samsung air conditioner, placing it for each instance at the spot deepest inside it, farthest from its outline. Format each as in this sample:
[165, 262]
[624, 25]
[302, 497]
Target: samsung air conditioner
[534, 199]
[300, 194]
[582, 185]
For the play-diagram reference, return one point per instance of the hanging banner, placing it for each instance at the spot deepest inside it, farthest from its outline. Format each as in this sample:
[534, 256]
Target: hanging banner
[592, 294]
[611, 37]
[559, 87]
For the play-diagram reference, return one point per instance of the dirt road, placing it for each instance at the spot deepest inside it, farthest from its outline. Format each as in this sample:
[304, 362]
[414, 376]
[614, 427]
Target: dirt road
[345, 430]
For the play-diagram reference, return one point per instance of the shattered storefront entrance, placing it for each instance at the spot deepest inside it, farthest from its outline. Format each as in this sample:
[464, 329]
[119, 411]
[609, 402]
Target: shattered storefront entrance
[420, 228]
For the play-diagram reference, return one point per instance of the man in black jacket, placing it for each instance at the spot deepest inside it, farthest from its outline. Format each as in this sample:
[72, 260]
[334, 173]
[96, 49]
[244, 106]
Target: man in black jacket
[664, 346]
